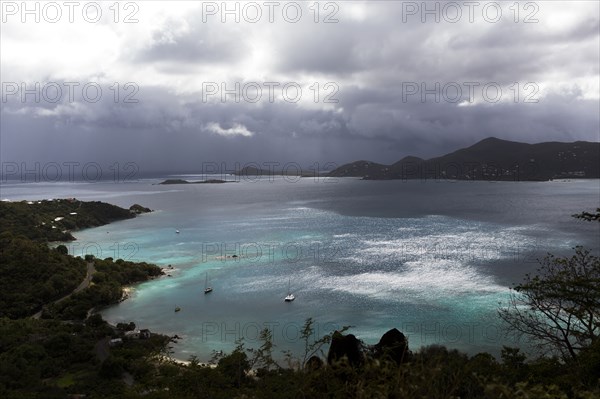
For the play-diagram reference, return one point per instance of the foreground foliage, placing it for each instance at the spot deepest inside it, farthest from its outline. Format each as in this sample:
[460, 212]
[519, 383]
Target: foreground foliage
[47, 358]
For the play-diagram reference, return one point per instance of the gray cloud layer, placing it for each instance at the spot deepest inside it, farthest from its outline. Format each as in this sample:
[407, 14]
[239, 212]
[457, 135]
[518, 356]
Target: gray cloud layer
[371, 55]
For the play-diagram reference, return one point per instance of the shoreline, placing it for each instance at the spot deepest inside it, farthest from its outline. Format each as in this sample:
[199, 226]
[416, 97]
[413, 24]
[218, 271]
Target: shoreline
[128, 290]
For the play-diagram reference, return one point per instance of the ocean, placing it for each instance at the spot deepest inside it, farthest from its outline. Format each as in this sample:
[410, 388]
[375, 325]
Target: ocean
[434, 259]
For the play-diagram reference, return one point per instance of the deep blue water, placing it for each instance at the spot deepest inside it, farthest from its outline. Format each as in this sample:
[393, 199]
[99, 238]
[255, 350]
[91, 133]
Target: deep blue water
[430, 258]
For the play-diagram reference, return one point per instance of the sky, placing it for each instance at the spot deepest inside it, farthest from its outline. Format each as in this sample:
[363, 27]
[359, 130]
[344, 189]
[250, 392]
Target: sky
[173, 86]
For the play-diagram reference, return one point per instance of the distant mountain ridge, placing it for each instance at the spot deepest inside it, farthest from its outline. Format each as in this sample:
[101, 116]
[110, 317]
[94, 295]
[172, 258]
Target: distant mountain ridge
[490, 159]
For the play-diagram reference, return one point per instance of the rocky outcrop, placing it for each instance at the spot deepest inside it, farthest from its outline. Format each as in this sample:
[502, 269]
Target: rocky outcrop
[393, 346]
[345, 347]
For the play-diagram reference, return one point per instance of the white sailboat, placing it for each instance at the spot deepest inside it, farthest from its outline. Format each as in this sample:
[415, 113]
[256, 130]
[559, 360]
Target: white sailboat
[207, 289]
[290, 297]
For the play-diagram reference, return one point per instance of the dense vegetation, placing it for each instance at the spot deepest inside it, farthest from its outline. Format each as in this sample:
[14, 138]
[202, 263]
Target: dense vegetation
[49, 358]
[46, 358]
[33, 274]
[68, 351]
[106, 288]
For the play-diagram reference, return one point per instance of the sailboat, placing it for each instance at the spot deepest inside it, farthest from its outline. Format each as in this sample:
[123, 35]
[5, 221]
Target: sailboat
[207, 289]
[290, 297]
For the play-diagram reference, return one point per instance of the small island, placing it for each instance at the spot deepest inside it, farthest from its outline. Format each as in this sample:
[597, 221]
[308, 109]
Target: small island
[182, 181]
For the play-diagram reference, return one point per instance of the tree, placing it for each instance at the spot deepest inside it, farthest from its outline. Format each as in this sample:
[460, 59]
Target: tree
[62, 249]
[263, 356]
[236, 365]
[559, 308]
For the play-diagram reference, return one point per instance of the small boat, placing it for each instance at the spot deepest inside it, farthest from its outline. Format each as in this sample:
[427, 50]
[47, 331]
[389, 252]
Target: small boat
[207, 289]
[176, 231]
[290, 297]
[177, 309]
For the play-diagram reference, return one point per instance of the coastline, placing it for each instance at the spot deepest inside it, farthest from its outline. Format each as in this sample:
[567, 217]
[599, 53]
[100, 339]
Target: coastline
[128, 291]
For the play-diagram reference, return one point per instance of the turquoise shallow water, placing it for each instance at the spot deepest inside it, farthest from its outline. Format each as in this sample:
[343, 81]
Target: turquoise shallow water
[432, 259]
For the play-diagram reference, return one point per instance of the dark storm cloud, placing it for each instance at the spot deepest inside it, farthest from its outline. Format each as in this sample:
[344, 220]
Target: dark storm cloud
[371, 57]
[159, 130]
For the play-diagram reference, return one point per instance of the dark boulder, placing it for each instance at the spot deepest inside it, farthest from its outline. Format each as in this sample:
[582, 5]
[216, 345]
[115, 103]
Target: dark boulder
[345, 346]
[138, 209]
[392, 345]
